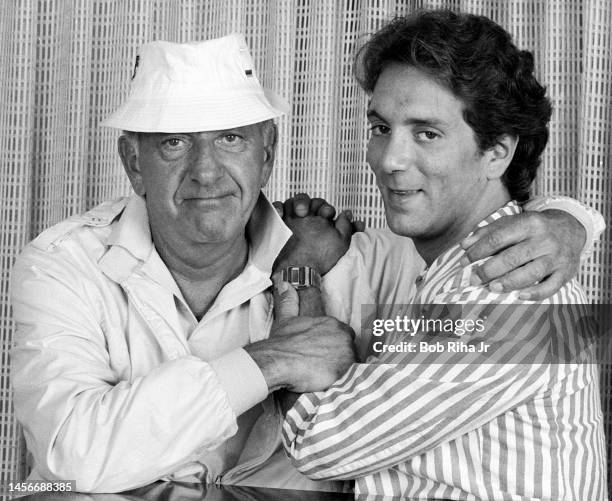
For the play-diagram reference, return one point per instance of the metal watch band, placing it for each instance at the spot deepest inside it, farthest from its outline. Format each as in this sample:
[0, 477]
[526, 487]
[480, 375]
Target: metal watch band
[302, 276]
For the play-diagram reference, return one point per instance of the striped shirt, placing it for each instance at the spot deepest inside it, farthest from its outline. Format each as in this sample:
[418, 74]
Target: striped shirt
[510, 424]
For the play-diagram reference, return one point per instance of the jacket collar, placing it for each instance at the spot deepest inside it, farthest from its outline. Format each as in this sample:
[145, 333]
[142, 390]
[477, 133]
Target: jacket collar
[267, 235]
[131, 245]
[132, 231]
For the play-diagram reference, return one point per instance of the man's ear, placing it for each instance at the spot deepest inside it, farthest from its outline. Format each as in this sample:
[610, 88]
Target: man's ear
[128, 151]
[270, 135]
[500, 155]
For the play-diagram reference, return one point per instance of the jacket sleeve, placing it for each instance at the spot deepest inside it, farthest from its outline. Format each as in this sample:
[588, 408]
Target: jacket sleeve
[83, 419]
[368, 275]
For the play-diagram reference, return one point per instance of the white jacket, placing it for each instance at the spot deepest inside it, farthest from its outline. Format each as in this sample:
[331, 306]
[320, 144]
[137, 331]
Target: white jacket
[115, 381]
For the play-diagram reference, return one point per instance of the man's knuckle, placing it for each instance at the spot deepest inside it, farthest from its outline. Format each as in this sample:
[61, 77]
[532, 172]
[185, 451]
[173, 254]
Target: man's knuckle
[534, 274]
[472, 252]
[551, 243]
[535, 271]
[494, 239]
[528, 253]
[513, 259]
[546, 265]
[511, 282]
[485, 270]
[537, 223]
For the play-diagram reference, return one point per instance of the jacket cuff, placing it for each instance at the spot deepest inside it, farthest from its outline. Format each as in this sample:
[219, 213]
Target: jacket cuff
[241, 379]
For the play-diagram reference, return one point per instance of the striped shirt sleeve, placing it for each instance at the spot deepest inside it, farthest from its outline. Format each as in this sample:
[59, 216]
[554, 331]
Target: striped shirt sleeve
[381, 414]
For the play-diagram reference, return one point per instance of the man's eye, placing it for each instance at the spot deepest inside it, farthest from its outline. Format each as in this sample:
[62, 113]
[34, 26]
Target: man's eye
[379, 129]
[427, 135]
[173, 142]
[231, 138]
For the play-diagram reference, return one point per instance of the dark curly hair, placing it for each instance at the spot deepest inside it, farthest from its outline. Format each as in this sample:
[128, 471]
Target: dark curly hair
[476, 60]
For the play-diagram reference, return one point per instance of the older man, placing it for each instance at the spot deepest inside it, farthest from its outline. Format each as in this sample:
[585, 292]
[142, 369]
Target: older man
[129, 363]
[145, 347]
[458, 125]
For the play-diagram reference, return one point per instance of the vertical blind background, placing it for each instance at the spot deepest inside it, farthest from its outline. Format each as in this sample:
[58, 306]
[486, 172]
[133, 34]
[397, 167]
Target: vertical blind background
[65, 64]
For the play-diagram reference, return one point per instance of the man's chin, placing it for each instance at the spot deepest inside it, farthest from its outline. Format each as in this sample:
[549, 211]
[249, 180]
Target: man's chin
[213, 236]
[215, 227]
[406, 226]
[211, 229]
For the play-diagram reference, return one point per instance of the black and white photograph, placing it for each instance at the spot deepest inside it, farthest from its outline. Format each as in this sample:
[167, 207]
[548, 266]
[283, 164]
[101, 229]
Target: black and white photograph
[320, 250]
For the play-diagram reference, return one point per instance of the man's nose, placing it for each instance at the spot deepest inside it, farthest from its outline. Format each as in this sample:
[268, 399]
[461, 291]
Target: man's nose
[206, 166]
[398, 154]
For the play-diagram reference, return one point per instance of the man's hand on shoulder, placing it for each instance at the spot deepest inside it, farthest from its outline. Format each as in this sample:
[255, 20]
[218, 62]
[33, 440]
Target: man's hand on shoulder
[318, 239]
[535, 252]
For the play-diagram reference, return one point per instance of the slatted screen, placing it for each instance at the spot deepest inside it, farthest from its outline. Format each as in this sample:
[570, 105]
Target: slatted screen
[64, 65]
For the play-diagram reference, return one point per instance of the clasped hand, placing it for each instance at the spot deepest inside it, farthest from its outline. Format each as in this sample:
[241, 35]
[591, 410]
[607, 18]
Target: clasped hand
[533, 252]
[318, 239]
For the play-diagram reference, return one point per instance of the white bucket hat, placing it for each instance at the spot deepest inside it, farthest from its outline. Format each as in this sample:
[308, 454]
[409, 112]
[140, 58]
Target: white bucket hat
[195, 87]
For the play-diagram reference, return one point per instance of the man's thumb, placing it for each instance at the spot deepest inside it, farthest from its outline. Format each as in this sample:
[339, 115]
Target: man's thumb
[286, 300]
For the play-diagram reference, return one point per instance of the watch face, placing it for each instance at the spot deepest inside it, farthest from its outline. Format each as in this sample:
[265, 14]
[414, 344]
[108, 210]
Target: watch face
[296, 275]
[301, 276]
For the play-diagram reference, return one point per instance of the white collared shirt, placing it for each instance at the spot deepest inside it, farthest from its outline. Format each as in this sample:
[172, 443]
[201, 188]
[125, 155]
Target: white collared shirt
[108, 355]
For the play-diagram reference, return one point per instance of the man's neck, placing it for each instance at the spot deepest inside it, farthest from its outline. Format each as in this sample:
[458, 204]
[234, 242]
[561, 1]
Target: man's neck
[431, 248]
[202, 270]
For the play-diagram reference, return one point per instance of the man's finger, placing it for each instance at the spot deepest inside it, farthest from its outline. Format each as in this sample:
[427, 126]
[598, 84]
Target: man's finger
[279, 207]
[358, 225]
[544, 289]
[327, 211]
[319, 207]
[528, 275]
[315, 205]
[344, 226]
[514, 258]
[301, 204]
[491, 239]
[286, 299]
[288, 208]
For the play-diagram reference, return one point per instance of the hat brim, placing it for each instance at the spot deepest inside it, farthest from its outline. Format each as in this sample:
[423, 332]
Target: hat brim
[179, 115]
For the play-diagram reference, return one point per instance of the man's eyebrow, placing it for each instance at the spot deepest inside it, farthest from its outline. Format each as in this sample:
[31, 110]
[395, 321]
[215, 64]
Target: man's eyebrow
[373, 114]
[431, 121]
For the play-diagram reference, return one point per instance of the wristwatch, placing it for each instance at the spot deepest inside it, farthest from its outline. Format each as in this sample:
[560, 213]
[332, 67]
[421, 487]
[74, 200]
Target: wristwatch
[301, 277]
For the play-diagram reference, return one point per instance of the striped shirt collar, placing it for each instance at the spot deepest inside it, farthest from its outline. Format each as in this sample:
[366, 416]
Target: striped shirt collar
[436, 277]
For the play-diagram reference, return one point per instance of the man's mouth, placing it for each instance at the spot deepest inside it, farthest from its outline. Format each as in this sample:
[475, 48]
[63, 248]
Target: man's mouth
[208, 197]
[404, 192]
[402, 199]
